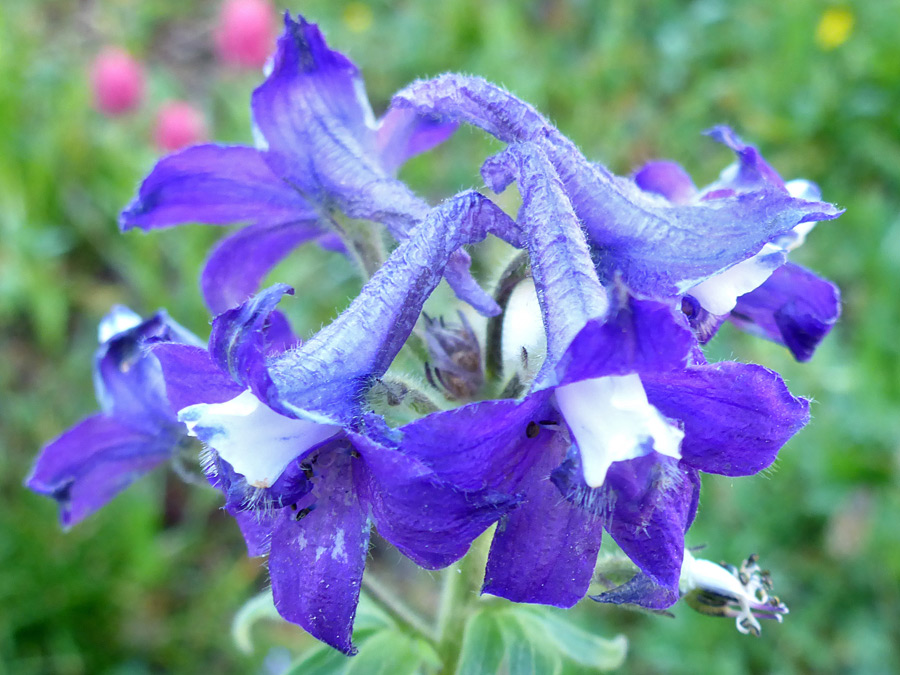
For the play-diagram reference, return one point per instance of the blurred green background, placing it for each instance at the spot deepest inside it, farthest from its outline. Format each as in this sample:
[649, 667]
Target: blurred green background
[150, 584]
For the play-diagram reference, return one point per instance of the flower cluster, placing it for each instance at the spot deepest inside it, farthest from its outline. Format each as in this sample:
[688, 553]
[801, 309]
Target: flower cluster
[605, 422]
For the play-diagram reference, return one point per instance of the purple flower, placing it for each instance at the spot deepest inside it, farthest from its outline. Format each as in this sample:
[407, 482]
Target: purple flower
[320, 150]
[780, 301]
[135, 431]
[659, 235]
[621, 417]
[304, 468]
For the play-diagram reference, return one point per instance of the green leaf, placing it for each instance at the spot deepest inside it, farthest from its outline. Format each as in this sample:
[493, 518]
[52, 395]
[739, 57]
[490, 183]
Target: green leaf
[258, 607]
[482, 646]
[389, 652]
[321, 660]
[526, 651]
[577, 644]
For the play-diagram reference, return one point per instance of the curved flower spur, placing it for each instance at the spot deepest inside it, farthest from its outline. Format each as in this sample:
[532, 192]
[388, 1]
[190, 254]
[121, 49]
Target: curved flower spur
[320, 151]
[303, 467]
[620, 419]
[660, 236]
[136, 429]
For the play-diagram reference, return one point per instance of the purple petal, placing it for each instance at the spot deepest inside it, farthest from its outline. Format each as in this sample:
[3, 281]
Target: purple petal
[329, 371]
[239, 262]
[192, 377]
[668, 179]
[545, 550]
[213, 184]
[483, 445]
[257, 527]
[736, 416]
[640, 590]
[430, 521]
[752, 172]
[313, 113]
[794, 307]
[316, 563]
[652, 500]
[659, 249]
[403, 134]
[95, 460]
[239, 343]
[643, 336]
[569, 291]
[127, 376]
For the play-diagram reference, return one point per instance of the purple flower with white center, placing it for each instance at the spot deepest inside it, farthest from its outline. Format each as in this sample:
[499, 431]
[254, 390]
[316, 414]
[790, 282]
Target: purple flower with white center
[763, 294]
[320, 150]
[136, 430]
[621, 417]
[304, 469]
[661, 245]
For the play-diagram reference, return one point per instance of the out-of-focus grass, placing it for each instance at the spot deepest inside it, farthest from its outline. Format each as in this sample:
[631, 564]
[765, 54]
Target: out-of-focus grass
[150, 584]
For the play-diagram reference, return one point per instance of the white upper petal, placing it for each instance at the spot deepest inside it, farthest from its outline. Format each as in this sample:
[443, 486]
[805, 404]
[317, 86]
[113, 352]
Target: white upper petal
[256, 441]
[612, 420]
[117, 321]
[719, 293]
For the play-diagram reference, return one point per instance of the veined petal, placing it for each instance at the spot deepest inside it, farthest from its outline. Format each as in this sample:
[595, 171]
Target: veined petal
[255, 440]
[93, 461]
[317, 558]
[213, 184]
[612, 421]
[239, 262]
[794, 307]
[659, 249]
[569, 291]
[328, 372]
[545, 550]
[736, 416]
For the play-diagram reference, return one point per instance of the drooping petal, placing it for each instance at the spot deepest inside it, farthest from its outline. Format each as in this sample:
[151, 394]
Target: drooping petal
[327, 373]
[659, 249]
[95, 460]
[794, 307]
[191, 376]
[318, 556]
[431, 521]
[651, 506]
[403, 134]
[569, 291]
[214, 184]
[750, 172]
[736, 416]
[668, 179]
[545, 550]
[640, 590]
[239, 262]
[239, 342]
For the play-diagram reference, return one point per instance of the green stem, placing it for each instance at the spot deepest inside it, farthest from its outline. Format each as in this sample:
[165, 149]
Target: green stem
[399, 611]
[462, 585]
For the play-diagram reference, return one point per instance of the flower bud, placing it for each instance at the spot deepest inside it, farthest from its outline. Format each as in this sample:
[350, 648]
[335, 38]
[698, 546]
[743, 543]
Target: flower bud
[117, 82]
[455, 358]
[245, 33]
[178, 124]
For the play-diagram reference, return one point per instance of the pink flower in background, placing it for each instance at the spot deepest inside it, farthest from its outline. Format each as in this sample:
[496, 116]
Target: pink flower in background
[245, 34]
[178, 124]
[117, 82]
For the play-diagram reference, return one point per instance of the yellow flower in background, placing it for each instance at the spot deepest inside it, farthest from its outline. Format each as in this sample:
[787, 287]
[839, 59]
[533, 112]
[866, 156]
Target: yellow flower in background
[834, 27]
[358, 17]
